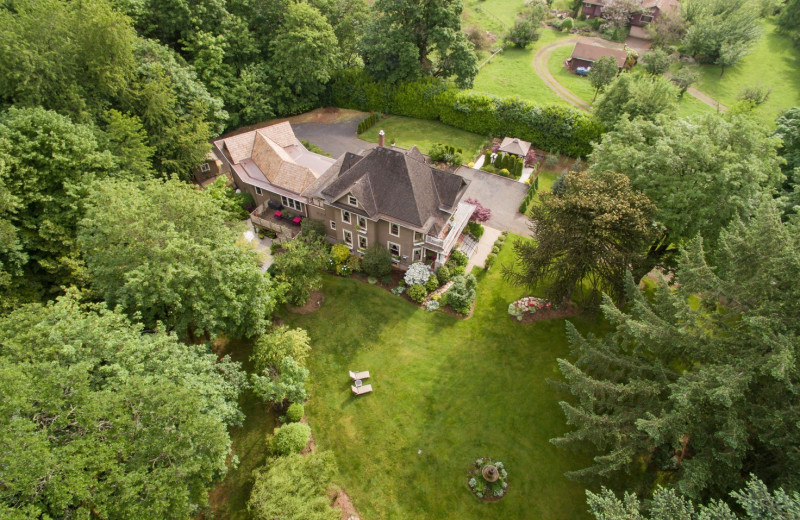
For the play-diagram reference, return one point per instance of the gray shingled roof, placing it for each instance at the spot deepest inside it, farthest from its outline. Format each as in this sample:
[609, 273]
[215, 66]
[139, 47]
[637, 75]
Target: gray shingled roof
[398, 185]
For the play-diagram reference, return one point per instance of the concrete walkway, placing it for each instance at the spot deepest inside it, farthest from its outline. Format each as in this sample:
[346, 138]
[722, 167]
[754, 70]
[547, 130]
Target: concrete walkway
[262, 245]
[484, 247]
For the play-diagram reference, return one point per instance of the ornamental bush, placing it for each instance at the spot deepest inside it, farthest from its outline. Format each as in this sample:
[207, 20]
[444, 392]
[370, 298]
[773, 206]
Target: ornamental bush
[459, 258]
[475, 229]
[443, 274]
[490, 261]
[458, 270]
[417, 274]
[339, 253]
[432, 283]
[417, 293]
[290, 438]
[462, 293]
[295, 412]
[432, 305]
[377, 261]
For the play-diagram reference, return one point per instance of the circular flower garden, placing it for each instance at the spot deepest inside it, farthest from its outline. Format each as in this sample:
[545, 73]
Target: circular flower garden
[488, 479]
[529, 305]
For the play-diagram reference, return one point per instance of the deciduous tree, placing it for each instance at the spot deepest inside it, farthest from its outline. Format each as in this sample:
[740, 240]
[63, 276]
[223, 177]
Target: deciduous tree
[603, 72]
[721, 31]
[270, 349]
[590, 234]
[162, 252]
[636, 95]
[99, 419]
[280, 384]
[700, 173]
[299, 269]
[656, 62]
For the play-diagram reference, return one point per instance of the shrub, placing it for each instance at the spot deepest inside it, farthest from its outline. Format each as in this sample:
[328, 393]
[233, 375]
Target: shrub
[432, 305]
[459, 258]
[495, 250]
[397, 291]
[339, 253]
[567, 24]
[462, 293]
[551, 161]
[458, 270]
[443, 274]
[475, 229]
[433, 283]
[417, 293]
[290, 438]
[417, 274]
[490, 261]
[386, 279]
[273, 248]
[489, 168]
[444, 153]
[270, 349]
[295, 412]
[312, 228]
[436, 297]
[377, 261]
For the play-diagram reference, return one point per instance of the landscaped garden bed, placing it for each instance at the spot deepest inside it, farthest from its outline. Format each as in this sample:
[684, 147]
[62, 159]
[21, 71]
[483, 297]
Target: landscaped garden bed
[531, 308]
[488, 479]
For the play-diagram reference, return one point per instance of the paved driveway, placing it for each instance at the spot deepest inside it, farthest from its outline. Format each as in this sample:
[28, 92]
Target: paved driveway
[333, 138]
[501, 195]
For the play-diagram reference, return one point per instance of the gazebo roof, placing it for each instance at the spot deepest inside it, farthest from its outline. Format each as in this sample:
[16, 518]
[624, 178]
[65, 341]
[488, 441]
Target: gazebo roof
[515, 146]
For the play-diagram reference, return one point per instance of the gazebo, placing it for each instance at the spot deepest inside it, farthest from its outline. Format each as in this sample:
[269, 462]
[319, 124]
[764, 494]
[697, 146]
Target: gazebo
[515, 146]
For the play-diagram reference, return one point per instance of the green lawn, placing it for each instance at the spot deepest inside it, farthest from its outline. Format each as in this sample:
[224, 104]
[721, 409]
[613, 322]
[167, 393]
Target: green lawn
[496, 16]
[446, 391]
[773, 62]
[407, 132]
[511, 73]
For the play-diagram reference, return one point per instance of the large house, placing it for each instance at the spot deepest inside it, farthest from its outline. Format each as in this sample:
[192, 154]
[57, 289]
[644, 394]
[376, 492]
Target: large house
[652, 10]
[386, 196]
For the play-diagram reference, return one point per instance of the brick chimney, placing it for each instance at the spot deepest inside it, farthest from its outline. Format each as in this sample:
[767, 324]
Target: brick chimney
[381, 138]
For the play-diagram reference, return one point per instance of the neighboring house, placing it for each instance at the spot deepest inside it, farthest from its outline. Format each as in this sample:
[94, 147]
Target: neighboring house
[653, 9]
[274, 168]
[514, 146]
[393, 198]
[586, 53]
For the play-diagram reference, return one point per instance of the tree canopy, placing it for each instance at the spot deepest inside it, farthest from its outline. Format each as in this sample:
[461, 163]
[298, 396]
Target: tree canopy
[100, 420]
[701, 393]
[636, 95]
[721, 31]
[589, 234]
[163, 251]
[701, 172]
[410, 38]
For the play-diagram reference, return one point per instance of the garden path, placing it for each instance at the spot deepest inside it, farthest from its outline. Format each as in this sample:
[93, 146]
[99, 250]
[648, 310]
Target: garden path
[484, 248]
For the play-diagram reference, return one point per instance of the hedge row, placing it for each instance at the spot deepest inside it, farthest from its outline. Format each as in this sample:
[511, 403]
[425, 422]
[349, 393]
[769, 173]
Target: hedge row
[548, 127]
[526, 202]
[368, 123]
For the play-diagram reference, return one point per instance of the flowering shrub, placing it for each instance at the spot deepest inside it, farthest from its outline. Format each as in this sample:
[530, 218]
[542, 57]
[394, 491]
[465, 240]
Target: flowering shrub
[432, 305]
[481, 487]
[528, 305]
[397, 291]
[481, 213]
[417, 274]
[417, 293]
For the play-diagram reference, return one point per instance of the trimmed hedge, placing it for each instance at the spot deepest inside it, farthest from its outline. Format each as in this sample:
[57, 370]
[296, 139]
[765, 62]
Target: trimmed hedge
[368, 123]
[526, 202]
[549, 127]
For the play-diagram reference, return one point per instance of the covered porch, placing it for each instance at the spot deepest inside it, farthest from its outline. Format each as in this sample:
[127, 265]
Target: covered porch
[285, 223]
[447, 239]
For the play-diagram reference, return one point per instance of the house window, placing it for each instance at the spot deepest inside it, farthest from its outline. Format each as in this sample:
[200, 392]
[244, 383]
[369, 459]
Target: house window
[417, 254]
[352, 200]
[362, 223]
[333, 225]
[394, 248]
[348, 237]
[291, 203]
[394, 229]
[258, 190]
[205, 167]
[362, 242]
[418, 237]
[646, 18]
[346, 216]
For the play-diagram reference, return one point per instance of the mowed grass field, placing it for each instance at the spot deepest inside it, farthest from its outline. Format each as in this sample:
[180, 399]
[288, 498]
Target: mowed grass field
[446, 391]
[423, 134]
[772, 63]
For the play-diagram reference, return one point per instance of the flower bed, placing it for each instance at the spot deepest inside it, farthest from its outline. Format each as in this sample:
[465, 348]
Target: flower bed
[529, 305]
[483, 484]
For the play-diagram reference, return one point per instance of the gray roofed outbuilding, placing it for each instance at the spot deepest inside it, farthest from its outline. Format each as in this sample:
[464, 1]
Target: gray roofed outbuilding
[515, 146]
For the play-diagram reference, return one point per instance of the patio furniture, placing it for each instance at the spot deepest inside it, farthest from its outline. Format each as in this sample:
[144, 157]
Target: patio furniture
[361, 389]
[297, 220]
[359, 375]
[359, 383]
[278, 214]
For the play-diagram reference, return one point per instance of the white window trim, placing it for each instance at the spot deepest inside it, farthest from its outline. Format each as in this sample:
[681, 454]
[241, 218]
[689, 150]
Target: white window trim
[362, 229]
[366, 242]
[349, 219]
[258, 191]
[414, 254]
[399, 249]
[421, 238]
[350, 200]
[292, 203]
[333, 225]
[345, 234]
[205, 167]
[391, 224]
